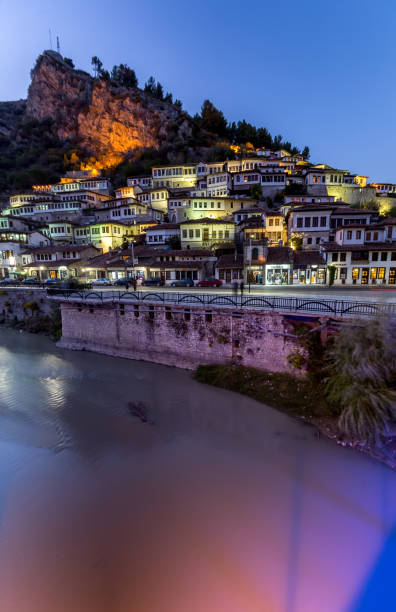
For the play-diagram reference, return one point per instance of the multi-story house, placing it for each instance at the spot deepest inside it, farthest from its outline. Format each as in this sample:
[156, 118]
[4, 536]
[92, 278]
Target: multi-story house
[219, 184]
[13, 243]
[60, 261]
[176, 176]
[68, 185]
[189, 208]
[171, 265]
[207, 233]
[160, 235]
[384, 189]
[363, 255]
[146, 182]
[315, 224]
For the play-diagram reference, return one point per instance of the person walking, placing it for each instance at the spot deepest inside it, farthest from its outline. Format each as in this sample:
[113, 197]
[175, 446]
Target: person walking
[127, 286]
[242, 286]
[134, 283]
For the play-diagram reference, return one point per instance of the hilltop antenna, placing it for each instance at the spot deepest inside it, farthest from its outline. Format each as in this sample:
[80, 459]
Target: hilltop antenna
[50, 38]
[57, 44]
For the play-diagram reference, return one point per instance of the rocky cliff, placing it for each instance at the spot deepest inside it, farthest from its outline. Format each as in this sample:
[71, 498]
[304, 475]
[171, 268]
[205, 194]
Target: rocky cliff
[108, 122]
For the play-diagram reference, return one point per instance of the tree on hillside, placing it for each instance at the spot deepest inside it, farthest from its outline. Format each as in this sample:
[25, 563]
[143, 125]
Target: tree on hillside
[256, 192]
[68, 61]
[212, 119]
[124, 76]
[97, 65]
[149, 86]
[305, 152]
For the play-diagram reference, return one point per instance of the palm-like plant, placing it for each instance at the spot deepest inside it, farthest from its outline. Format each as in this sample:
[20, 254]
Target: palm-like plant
[361, 378]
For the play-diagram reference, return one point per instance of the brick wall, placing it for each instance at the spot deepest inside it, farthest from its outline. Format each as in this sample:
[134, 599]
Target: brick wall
[179, 336]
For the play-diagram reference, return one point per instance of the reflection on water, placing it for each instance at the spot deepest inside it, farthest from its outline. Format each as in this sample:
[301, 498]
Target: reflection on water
[223, 505]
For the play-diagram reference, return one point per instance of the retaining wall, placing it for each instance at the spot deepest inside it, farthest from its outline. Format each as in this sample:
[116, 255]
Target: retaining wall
[179, 336]
[20, 304]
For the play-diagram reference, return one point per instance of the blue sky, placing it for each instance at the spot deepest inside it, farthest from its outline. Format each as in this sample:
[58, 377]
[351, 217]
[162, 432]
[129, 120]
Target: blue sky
[319, 73]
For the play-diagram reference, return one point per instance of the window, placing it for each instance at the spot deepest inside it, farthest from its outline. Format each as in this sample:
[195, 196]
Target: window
[374, 257]
[184, 233]
[355, 273]
[322, 221]
[315, 221]
[191, 233]
[375, 236]
[374, 273]
[381, 273]
[349, 235]
[393, 256]
[299, 222]
[368, 236]
[334, 257]
[384, 256]
[358, 234]
[342, 256]
[270, 222]
[309, 240]
[197, 233]
[307, 222]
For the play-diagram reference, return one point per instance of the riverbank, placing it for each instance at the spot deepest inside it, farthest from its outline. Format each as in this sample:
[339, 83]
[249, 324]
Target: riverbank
[296, 397]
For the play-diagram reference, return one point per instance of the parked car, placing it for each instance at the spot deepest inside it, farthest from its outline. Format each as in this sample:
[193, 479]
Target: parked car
[123, 282]
[183, 282]
[210, 282]
[31, 280]
[153, 282]
[101, 281]
[53, 282]
[9, 281]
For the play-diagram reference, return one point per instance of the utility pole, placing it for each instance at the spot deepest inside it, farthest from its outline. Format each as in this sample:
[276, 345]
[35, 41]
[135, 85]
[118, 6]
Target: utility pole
[57, 45]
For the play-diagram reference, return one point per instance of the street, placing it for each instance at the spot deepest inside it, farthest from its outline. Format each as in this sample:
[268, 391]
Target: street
[372, 294]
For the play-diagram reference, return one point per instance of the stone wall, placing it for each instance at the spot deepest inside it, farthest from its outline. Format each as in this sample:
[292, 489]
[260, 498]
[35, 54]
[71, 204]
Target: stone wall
[179, 336]
[21, 304]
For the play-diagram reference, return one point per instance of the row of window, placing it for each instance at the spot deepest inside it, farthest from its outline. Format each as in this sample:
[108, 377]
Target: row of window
[364, 255]
[205, 234]
[311, 221]
[60, 230]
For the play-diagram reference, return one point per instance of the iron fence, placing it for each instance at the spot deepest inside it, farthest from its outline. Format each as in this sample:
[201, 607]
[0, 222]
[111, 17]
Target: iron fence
[261, 302]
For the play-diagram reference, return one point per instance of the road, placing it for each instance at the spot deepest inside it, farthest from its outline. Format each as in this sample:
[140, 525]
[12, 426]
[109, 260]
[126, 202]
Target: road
[331, 293]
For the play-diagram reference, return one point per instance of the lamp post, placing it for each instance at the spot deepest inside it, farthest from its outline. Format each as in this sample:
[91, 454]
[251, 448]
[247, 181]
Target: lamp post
[133, 258]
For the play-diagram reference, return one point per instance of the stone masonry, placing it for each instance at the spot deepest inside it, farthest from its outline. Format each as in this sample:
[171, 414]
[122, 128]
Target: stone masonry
[177, 335]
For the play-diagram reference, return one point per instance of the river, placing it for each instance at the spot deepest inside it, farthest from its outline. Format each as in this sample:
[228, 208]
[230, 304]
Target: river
[223, 505]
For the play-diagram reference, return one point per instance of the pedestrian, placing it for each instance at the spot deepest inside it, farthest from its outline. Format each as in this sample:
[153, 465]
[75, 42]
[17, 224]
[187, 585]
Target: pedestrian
[242, 286]
[235, 287]
[127, 285]
[134, 283]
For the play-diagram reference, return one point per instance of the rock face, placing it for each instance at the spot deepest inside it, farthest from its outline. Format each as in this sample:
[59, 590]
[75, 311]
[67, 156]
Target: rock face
[107, 121]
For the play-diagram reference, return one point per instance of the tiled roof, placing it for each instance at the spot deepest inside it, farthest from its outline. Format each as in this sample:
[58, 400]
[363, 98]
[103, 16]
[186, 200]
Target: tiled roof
[169, 265]
[207, 221]
[65, 248]
[280, 255]
[230, 261]
[366, 246]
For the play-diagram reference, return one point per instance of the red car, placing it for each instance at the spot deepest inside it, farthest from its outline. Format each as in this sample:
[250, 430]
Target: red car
[210, 282]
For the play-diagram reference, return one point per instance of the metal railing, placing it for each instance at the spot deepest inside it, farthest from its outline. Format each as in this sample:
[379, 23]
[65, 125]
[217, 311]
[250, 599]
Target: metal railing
[294, 304]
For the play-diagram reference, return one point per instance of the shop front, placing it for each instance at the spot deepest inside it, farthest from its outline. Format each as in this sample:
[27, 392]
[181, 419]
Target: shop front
[255, 275]
[278, 274]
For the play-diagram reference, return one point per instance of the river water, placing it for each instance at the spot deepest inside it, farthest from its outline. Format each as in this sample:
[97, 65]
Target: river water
[222, 505]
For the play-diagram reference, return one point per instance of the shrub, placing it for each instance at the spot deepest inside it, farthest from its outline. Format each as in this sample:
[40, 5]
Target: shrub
[361, 378]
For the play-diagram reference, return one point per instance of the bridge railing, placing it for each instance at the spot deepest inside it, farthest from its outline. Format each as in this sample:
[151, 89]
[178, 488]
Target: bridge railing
[261, 302]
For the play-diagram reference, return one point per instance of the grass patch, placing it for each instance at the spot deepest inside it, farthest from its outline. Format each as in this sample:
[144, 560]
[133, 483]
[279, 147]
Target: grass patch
[295, 396]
